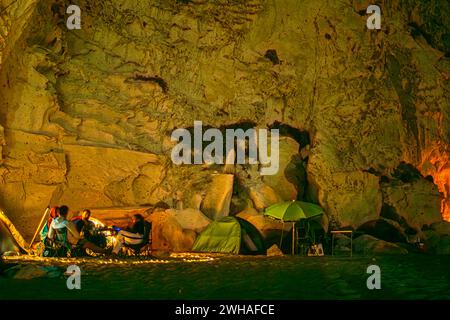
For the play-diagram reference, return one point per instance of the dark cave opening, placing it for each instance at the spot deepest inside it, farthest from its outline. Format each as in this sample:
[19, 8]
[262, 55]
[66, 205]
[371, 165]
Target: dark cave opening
[272, 55]
[388, 212]
[406, 172]
[301, 136]
[244, 125]
[383, 229]
[155, 79]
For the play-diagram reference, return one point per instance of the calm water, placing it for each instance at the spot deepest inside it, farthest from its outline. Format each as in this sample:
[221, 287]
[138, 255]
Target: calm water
[222, 277]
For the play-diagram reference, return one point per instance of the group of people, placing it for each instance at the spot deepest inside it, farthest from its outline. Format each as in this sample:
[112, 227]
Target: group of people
[80, 231]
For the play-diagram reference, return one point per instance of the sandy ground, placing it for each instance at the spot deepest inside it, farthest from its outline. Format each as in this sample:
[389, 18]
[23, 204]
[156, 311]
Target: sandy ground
[185, 276]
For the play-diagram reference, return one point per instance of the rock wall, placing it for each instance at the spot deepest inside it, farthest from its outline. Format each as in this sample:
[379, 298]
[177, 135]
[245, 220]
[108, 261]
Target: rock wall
[86, 115]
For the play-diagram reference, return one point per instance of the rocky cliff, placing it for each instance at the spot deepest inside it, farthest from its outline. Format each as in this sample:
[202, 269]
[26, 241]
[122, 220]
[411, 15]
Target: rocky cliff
[86, 115]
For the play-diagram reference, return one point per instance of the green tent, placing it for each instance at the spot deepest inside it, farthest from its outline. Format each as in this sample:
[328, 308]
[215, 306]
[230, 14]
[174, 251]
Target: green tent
[230, 235]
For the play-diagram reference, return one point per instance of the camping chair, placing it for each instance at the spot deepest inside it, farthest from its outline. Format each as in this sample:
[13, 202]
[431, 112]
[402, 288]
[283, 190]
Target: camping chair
[304, 237]
[60, 246]
[146, 242]
[57, 247]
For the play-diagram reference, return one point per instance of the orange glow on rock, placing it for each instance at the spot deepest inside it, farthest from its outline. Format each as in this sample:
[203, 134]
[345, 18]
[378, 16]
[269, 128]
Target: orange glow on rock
[436, 162]
[446, 209]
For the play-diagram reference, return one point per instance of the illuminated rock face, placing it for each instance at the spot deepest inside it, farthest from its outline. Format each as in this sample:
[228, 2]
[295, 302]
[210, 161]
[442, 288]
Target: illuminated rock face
[86, 115]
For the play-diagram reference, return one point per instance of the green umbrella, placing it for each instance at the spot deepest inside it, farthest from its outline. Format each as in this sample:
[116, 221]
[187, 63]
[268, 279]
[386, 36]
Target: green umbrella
[293, 211]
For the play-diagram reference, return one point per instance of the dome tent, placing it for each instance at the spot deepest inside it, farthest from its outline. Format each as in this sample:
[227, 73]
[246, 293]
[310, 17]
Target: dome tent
[230, 235]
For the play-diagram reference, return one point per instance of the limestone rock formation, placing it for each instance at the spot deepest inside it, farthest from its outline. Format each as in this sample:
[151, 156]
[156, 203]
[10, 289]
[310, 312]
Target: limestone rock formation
[274, 251]
[216, 204]
[263, 196]
[416, 203]
[352, 197]
[190, 219]
[368, 245]
[86, 115]
[442, 228]
[341, 243]
[290, 178]
[272, 230]
[437, 238]
[168, 234]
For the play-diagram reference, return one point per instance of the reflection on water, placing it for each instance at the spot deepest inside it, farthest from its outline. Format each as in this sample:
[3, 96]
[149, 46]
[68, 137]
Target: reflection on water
[172, 258]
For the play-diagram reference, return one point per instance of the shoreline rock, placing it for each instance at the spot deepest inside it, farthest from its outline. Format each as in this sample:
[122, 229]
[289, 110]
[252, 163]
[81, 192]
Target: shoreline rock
[369, 245]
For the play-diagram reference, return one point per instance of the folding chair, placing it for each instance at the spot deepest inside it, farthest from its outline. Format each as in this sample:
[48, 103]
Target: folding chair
[303, 235]
[145, 244]
[58, 246]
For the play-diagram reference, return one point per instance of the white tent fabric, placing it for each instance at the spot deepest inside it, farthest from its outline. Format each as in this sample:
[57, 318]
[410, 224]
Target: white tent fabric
[10, 239]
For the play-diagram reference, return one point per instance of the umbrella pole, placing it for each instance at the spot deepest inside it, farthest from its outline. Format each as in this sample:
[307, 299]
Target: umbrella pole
[281, 240]
[293, 238]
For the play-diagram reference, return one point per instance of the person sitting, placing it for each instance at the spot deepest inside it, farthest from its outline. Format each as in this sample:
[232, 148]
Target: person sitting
[88, 230]
[83, 224]
[73, 236]
[132, 235]
[54, 213]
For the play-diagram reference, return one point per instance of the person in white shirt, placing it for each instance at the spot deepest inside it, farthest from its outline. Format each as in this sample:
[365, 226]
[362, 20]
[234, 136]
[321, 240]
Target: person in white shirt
[133, 234]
